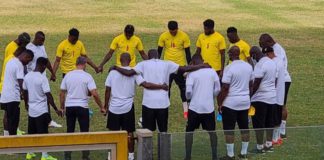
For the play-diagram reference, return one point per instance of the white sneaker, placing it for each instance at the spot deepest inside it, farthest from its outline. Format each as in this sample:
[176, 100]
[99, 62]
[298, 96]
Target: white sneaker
[54, 124]
[140, 122]
[131, 156]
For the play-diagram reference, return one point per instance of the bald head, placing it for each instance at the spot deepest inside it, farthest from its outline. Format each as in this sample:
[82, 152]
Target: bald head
[234, 53]
[266, 40]
[125, 59]
[256, 53]
[153, 54]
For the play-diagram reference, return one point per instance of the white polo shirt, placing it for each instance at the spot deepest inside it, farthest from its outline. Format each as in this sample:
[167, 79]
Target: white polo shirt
[11, 90]
[281, 53]
[77, 83]
[238, 75]
[205, 85]
[39, 51]
[122, 91]
[280, 84]
[37, 86]
[158, 72]
[265, 69]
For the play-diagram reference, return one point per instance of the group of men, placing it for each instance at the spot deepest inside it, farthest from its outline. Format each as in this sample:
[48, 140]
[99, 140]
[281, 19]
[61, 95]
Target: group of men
[252, 76]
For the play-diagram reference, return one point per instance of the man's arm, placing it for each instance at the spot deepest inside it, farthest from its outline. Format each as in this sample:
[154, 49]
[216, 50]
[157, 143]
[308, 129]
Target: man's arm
[106, 59]
[256, 85]
[89, 61]
[50, 100]
[222, 52]
[223, 94]
[198, 50]
[153, 86]
[20, 82]
[107, 98]
[249, 60]
[160, 49]
[56, 64]
[143, 55]
[95, 95]
[192, 68]
[124, 72]
[49, 67]
[189, 91]
[251, 87]
[26, 99]
[188, 55]
[62, 99]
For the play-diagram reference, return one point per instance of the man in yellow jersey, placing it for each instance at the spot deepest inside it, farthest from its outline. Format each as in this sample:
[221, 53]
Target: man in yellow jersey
[125, 43]
[235, 40]
[211, 45]
[22, 40]
[177, 50]
[67, 53]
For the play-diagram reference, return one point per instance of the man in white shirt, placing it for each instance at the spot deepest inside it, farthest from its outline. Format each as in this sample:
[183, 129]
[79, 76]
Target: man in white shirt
[280, 88]
[120, 91]
[234, 101]
[74, 100]
[202, 86]
[36, 95]
[156, 102]
[264, 98]
[12, 88]
[37, 46]
[267, 41]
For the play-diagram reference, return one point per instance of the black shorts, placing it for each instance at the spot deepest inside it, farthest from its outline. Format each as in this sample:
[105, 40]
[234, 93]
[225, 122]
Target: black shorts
[264, 115]
[151, 117]
[207, 121]
[230, 117]
[277, 115]
[125, 121]
[38, 125]
[287, 86]
[13, 116]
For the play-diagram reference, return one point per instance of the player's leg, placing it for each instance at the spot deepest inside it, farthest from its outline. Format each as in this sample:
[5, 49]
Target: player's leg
[128, 124]
[84, 123]
[170, 83]
[269, 124]
[208, 122]
[4, 120]
[70, 124]
[13, 116]
[41, 123]
[193, 122]
[243, 123]
[276, 140]
[284, 112]
[258, 121]
[229, 119]
[181, 82]
[32, 129]
[149, 120]
[162, 116]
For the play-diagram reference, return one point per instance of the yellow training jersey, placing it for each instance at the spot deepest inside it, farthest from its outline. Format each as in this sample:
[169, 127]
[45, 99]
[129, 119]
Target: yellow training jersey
[69, 53]
[174, 46]
[9, 53]
[211, 45]
[244, 49]
[121, 45]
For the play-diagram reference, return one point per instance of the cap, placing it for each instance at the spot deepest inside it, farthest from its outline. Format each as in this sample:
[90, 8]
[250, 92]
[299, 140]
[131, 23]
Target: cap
[267, 50]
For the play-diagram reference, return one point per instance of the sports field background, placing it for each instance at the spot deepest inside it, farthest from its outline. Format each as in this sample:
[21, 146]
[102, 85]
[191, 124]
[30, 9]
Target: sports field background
[297, 25]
